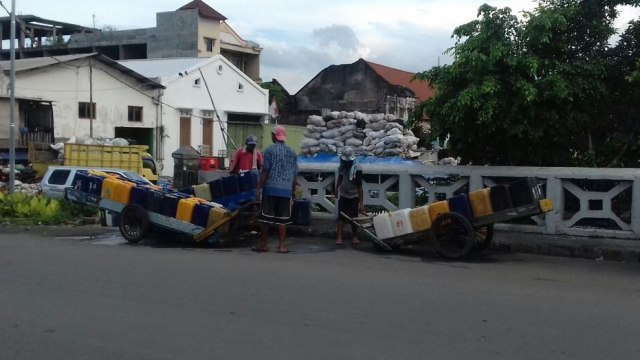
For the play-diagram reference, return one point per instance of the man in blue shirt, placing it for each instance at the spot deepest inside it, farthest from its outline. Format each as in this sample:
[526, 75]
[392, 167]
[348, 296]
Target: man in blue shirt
[277, 189]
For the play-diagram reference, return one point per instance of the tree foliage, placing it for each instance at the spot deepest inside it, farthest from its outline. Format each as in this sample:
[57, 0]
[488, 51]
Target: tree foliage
[549, 89]
[280, 93]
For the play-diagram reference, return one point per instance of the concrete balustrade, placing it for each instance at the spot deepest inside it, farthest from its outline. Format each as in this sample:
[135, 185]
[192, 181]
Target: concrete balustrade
[589, 202]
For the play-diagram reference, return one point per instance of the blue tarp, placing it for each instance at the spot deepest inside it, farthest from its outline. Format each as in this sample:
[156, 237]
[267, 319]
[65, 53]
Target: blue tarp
[324, 158]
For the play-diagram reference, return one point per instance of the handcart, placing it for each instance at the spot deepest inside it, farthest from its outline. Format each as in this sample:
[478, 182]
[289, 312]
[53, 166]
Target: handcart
[452, 234]
[136, 222]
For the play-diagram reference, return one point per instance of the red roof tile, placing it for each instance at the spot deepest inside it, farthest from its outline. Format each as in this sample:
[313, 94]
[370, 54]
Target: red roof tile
[422, 89]
[204, 10]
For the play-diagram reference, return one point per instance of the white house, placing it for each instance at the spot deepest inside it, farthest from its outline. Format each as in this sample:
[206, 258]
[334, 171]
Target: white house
[201, 95]
[124, 102]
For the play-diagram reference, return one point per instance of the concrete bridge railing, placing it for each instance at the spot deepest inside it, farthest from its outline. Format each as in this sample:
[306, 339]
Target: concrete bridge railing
[587, 201]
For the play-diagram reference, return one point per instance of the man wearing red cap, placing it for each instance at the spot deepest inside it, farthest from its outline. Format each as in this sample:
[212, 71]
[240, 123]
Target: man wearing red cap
[277, 189]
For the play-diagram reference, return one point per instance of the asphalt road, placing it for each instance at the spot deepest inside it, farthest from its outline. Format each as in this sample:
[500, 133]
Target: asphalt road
[78, 297]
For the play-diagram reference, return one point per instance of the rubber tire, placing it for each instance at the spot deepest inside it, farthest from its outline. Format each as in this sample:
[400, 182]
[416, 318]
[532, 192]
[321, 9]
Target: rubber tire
[134, 223]
[483, 238]
[452, 235]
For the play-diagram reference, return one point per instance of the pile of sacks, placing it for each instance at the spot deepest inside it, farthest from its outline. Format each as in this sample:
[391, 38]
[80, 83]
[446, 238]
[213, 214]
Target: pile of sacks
[59, 147]
[368, 134]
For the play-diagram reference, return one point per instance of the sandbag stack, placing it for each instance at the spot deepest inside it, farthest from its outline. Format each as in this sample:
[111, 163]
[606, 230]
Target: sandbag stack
[368, 134]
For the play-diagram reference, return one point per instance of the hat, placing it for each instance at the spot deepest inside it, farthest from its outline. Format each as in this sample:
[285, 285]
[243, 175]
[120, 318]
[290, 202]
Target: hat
[251, 140]
[347, 154]
[279, 133]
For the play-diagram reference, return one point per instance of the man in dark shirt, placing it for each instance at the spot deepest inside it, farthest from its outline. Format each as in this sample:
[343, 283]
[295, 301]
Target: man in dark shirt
[349, 190]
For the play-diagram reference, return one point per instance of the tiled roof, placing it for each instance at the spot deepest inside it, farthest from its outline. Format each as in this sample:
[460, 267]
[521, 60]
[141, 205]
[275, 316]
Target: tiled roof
[393, 76]
[204, 10]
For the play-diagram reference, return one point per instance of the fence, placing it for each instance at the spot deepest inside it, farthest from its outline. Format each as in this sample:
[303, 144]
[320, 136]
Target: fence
[587, 202]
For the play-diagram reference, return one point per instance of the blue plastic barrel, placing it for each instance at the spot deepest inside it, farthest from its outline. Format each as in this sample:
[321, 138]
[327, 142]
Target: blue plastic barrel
[95, 185]
[248, 180]
[139, 195]
[217, 190]
[170, 205]
[201, 215]
[301, 212]
[81, 181]
[500, 198]
[230, 185]
[153, 201]
[525, 192]
[461, 205]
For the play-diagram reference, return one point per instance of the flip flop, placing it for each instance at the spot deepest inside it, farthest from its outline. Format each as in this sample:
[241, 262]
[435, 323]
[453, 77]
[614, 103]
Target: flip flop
[338, 245]
[259, 249]
[283, 251]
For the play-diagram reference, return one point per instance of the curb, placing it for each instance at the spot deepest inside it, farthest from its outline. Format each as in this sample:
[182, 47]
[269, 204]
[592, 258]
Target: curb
[527, 243]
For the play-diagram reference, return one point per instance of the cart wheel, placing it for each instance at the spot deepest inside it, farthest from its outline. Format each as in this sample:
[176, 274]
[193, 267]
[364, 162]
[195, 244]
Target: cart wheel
[134, 223]
[452, 235]
[483, 238]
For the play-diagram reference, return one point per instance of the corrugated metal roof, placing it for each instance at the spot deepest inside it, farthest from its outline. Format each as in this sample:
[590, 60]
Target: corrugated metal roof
[41, 62]
[422, 89]
[162, 68]
[34, 63]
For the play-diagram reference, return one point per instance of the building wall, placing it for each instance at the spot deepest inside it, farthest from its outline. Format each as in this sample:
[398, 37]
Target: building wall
[176, 35]
[208, 29]
[348, 87]
[223, 81]
[67, 84]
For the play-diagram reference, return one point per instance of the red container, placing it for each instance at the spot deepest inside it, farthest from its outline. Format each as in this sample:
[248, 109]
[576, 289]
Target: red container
[208, 163]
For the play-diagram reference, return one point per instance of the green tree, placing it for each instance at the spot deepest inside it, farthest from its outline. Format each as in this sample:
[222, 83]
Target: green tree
[280, 93]
[530, 92]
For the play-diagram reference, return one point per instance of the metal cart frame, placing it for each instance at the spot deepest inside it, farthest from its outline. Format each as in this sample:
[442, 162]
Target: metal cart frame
[453, 235]
[136, 222]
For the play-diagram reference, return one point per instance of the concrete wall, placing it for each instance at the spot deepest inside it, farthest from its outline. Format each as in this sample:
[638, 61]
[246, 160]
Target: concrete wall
[67, 84]
[175, 36]
[209, 29]
[224, 81]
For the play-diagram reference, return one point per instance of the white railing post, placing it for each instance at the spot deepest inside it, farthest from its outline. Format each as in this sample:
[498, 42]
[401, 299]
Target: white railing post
[635, 207]
[406, 191]
[555, 192]
[475, 181]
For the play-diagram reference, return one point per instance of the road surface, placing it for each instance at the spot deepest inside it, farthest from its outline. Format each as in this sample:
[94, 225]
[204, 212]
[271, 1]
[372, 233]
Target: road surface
[81, 297]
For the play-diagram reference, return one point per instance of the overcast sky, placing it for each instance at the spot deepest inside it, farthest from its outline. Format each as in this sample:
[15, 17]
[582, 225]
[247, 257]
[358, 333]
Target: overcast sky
[301, 37]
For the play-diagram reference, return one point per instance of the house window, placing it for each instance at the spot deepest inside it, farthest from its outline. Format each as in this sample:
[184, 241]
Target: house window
[209, 43]
[135, 113]
[85, 111]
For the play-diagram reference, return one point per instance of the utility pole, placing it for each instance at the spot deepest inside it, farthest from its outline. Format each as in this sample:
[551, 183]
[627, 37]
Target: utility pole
[12, 102]
[91, 97]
